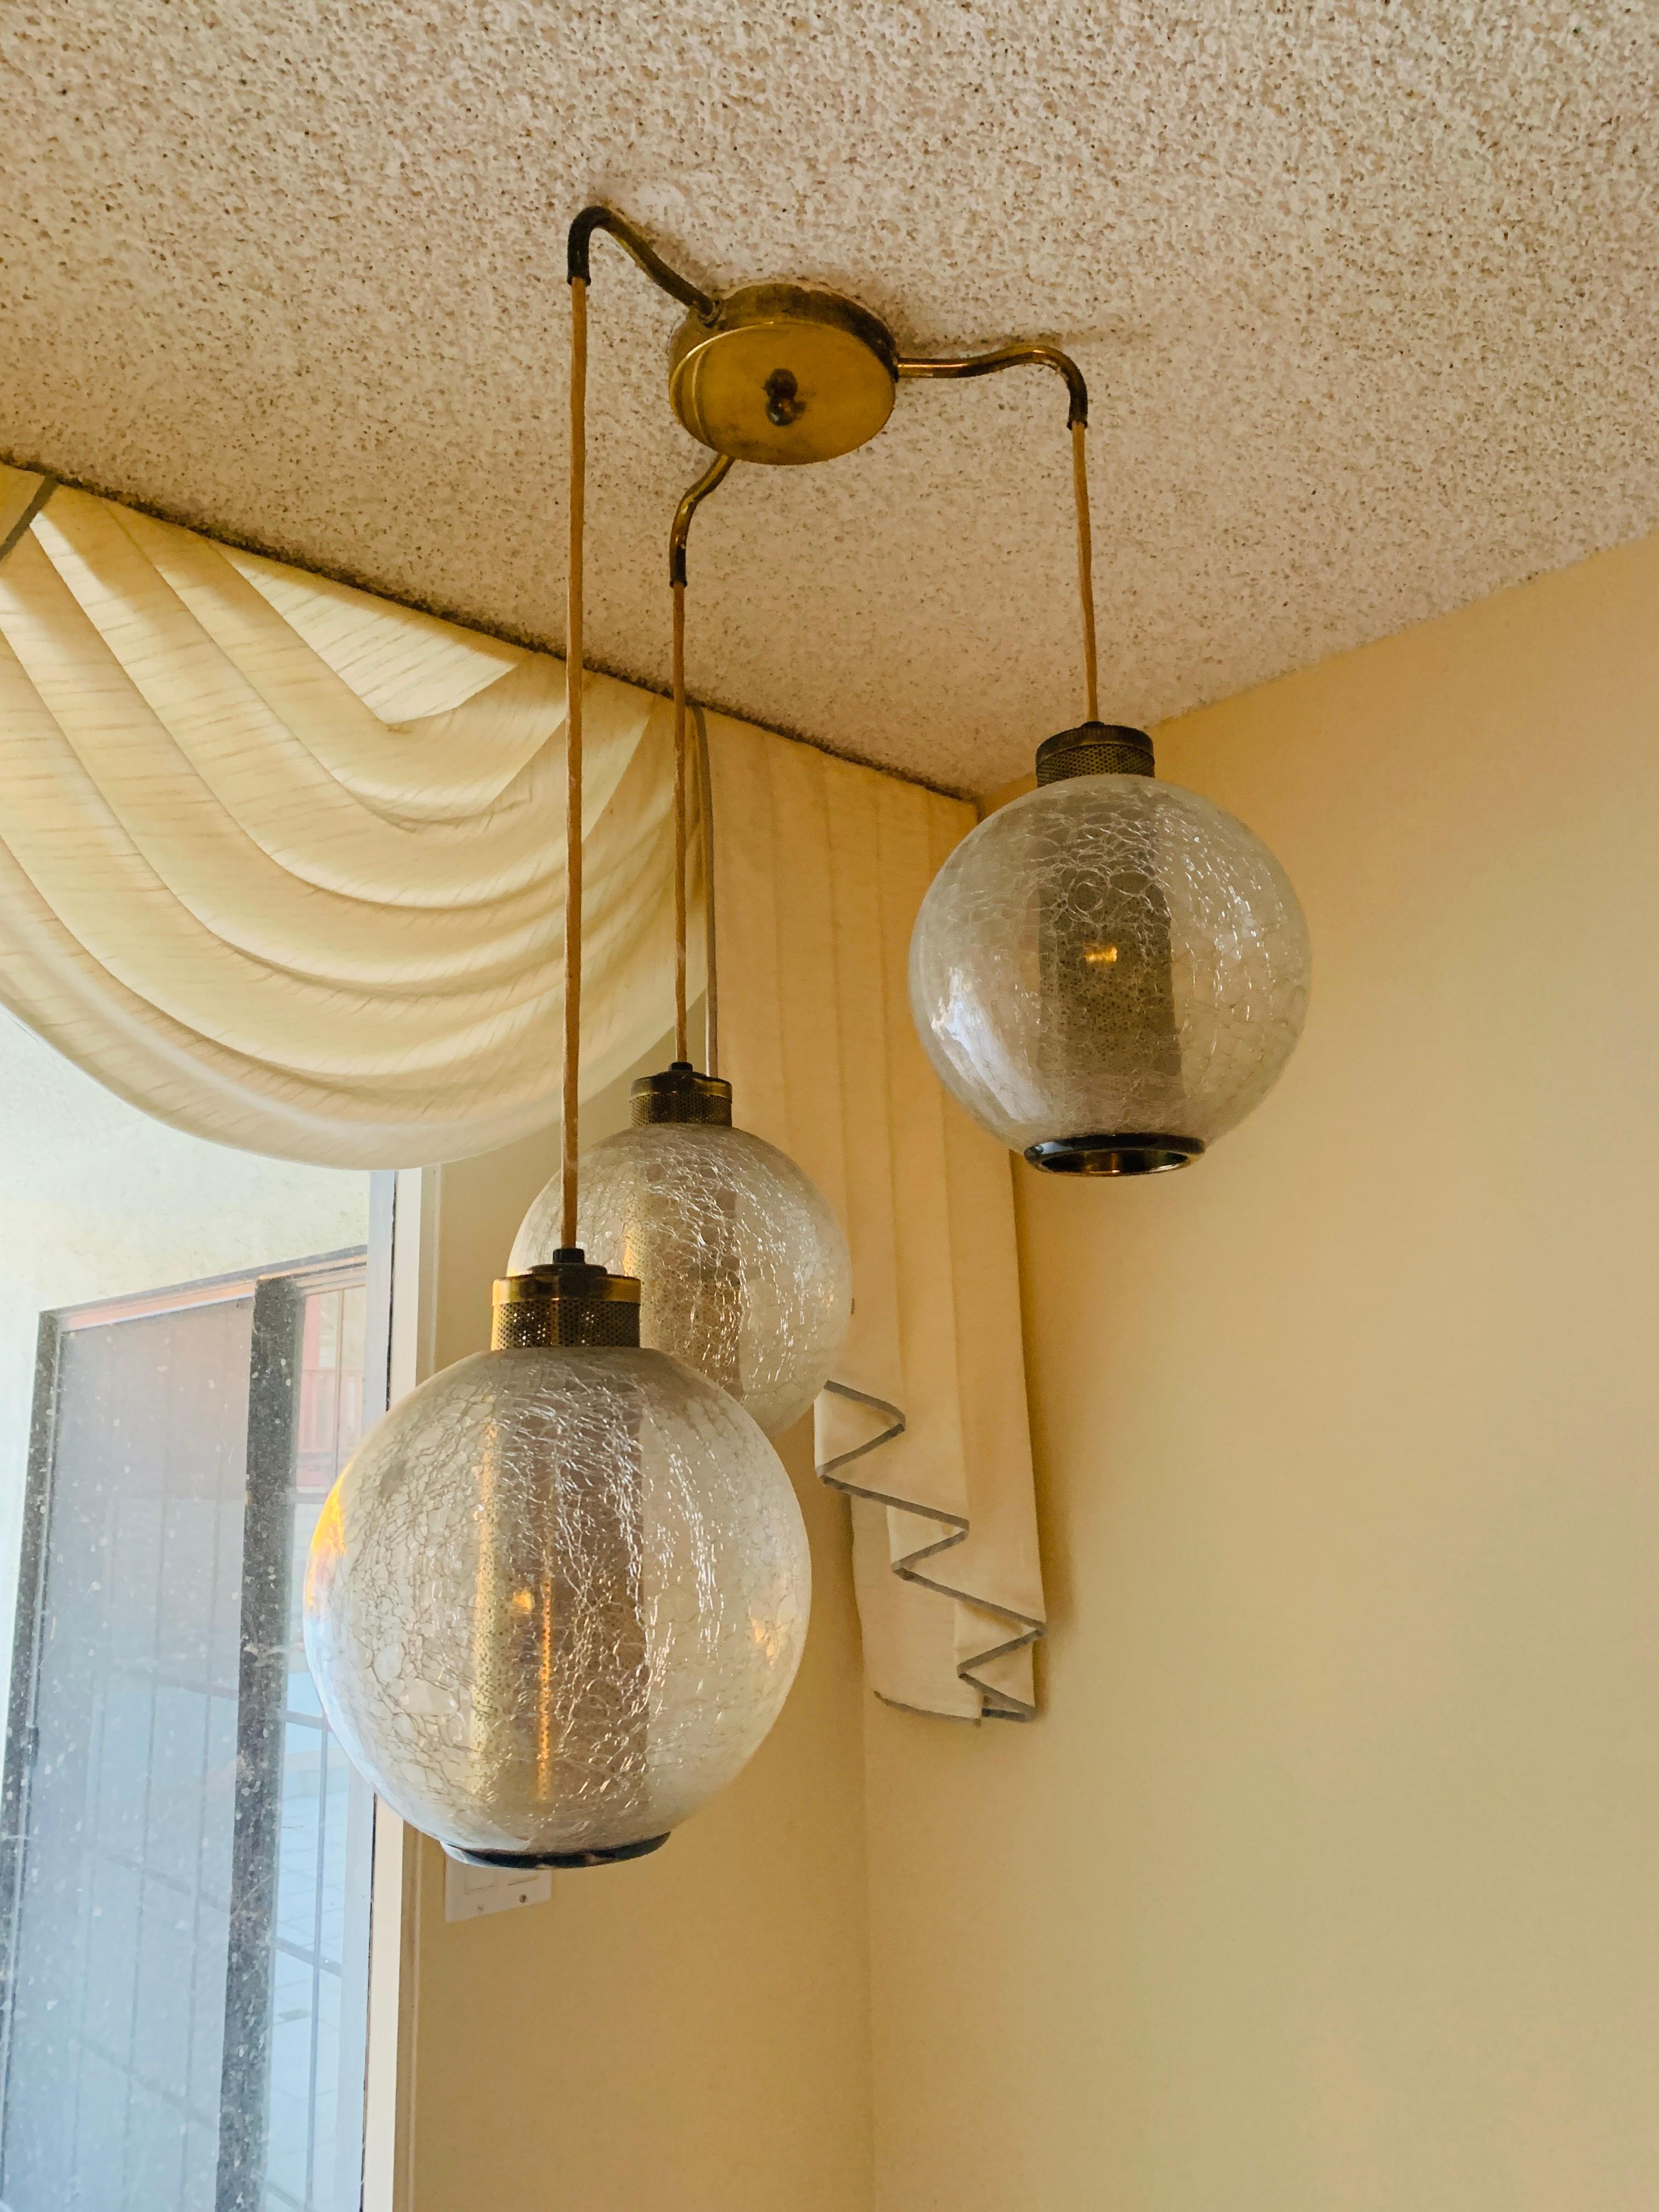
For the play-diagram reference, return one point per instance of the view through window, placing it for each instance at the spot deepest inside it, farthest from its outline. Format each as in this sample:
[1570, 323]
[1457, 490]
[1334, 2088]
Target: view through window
[184, 1852]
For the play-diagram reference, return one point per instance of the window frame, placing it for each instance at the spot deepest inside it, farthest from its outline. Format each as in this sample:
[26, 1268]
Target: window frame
[399, 1276]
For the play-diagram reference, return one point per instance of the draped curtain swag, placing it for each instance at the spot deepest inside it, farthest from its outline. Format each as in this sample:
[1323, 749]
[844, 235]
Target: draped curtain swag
[277, 862]
[279, 865]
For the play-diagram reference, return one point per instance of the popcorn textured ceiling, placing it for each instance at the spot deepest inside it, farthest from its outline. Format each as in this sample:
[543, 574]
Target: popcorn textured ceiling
[1365, 293]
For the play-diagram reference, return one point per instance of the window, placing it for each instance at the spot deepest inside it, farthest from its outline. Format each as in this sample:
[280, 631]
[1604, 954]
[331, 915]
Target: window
[184, 1854]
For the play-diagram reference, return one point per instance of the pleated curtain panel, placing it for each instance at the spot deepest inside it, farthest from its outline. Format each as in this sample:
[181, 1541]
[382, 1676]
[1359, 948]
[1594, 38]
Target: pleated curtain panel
[280, 863]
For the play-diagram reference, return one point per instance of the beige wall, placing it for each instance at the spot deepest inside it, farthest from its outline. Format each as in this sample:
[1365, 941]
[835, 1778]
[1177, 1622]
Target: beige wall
[1326, 1883]
[689, 2032]
[1327, 1880]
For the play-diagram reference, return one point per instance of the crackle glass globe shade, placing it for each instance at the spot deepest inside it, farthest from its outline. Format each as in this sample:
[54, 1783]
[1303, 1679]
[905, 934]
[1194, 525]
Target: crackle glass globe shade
[557, 1600]
[1109, 958]
[743, 1268]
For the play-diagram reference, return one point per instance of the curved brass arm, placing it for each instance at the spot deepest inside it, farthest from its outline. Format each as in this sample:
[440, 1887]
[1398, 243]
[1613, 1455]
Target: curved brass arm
[1012, 357]
[578, 248]
[714, 476]
[1077, 421]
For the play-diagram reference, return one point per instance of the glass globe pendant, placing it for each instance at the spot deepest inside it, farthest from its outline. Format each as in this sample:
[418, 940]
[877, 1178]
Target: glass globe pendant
[1110, 972]
[558, 1596]
[744, 1269]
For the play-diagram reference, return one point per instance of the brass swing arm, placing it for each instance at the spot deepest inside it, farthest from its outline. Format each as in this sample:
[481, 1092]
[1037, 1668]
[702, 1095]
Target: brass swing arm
[579, 249]
[714, 476]
[1011, 356]
[578, 257]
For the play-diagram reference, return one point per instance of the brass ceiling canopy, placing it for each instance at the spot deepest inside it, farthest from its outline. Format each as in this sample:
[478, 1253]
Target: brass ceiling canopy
[783, 373]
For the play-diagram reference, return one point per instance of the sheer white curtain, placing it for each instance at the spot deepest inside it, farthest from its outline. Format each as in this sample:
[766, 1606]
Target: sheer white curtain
[280, 863]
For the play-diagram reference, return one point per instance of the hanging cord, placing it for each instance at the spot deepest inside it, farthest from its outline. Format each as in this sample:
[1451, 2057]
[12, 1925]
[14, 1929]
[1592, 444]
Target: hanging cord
[1085, 566]
[712, 478]
[682, 1037]
[573, 770]
[711, 1004]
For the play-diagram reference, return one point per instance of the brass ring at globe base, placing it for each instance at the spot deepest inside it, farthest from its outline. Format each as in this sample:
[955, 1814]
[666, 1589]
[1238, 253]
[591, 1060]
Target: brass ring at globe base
[541, 1862]
[784, 374]
[1122, 1153]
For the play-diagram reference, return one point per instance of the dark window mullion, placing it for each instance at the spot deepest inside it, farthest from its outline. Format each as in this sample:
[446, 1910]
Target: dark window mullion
[339, 1298]
[267, 1544]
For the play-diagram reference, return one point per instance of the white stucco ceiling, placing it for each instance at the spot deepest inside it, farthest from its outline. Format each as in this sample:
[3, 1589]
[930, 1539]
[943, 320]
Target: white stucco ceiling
[1365, 293]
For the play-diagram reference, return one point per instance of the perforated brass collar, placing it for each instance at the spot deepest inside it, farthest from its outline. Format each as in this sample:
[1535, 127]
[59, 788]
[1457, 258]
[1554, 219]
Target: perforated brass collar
[565, 1301]
[1095, 749]
[680, 1094]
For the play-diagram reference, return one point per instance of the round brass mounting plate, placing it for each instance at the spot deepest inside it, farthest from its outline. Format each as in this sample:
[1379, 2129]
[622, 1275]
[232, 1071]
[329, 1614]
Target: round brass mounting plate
[785, 373]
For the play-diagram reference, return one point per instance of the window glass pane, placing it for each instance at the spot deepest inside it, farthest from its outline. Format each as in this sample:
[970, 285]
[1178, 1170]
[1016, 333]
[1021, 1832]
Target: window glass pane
[183, 1867]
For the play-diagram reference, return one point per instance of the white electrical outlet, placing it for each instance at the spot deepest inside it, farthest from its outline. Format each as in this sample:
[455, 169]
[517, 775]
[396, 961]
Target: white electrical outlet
[470, 1892]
